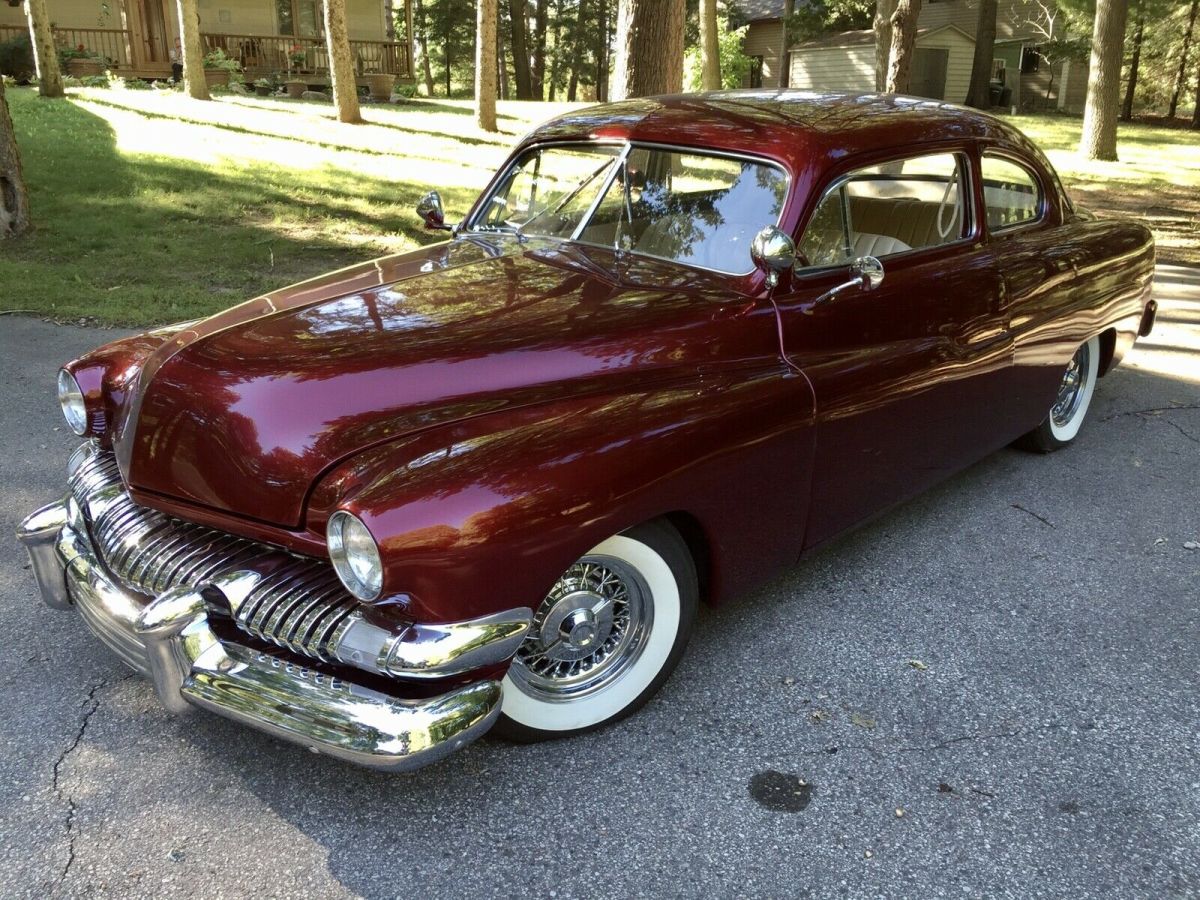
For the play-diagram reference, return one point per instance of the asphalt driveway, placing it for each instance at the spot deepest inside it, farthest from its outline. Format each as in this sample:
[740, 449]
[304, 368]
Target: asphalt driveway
[989, 692]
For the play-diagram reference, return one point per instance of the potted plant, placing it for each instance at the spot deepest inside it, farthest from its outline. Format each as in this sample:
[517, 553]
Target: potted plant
[80, 62]
[264, 87]
[218, 68]
[381, 84]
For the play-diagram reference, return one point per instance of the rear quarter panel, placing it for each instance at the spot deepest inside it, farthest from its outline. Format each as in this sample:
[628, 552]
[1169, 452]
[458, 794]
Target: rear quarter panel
[1067, 284]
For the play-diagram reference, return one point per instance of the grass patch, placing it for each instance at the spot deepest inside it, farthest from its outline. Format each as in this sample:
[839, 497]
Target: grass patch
[1157, 179]
[151, 207]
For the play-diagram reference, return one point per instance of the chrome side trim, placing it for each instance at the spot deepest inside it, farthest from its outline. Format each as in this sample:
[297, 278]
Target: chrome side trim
[170, 641]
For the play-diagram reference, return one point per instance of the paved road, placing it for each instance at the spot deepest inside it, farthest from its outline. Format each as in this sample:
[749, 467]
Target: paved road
[1046, 745]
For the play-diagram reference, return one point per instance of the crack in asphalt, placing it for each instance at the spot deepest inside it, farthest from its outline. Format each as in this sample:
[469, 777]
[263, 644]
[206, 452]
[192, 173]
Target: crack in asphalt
[90, 704]
[1187, 434]
[1030, 512]
[1149, 410]
[941, 745]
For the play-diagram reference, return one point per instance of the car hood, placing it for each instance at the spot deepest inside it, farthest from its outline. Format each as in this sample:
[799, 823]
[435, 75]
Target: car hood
[242, 412]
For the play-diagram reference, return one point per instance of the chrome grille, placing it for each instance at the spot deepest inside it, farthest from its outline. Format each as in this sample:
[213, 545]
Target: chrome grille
[299, 611]
[300, 605]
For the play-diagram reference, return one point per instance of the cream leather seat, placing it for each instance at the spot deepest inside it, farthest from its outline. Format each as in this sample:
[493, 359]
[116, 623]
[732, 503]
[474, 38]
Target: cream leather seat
[866, 244]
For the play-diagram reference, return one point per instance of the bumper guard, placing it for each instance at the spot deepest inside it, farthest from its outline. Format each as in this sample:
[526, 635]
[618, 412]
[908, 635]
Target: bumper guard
[169, 640]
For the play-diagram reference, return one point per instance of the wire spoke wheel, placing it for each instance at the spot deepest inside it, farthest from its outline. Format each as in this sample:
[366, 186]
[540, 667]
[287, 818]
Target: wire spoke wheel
[604, 638]
[1071, 391]
[590, 628]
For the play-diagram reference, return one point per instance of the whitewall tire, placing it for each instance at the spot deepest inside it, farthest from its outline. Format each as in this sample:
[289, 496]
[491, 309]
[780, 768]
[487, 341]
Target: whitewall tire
[605, 637]
[1071, 404]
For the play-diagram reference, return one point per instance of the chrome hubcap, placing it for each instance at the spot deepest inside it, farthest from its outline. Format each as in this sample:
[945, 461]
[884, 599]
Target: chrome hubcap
[587, 632]
[1070, 392]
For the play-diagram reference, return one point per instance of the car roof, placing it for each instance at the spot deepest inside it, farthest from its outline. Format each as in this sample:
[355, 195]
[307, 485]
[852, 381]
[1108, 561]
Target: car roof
[805, 130]
[815, 135]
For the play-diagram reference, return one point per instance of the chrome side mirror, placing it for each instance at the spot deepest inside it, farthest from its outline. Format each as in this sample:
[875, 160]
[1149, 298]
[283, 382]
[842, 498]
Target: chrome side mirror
[869, 271]
[429, 208]
[774, 251]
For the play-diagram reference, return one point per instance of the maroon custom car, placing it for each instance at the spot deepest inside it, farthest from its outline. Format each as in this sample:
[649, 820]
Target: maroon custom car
[676, 344]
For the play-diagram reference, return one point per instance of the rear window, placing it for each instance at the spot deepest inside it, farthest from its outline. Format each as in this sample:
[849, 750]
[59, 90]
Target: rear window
[1012, 195]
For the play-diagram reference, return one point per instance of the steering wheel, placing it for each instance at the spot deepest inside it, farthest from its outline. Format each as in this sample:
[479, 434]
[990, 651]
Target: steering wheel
[944, 230]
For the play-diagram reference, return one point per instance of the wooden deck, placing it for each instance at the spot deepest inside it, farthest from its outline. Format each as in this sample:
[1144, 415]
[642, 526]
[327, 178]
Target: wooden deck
[260, 54]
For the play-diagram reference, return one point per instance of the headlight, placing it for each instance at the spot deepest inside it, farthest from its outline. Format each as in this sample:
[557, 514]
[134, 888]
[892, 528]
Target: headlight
[70, 398]
[355, 555]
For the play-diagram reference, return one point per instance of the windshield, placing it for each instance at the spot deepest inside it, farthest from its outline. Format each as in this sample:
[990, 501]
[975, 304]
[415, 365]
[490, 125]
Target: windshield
[683, 206]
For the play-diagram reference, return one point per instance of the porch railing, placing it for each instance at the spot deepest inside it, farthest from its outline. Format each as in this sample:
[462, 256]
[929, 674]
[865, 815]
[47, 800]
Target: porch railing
[266, 54]
[112, 44]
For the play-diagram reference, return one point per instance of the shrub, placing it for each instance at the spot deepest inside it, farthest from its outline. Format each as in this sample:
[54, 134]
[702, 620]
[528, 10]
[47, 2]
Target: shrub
[16, 58]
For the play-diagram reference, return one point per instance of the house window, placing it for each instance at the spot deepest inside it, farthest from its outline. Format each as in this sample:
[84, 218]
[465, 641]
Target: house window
[301, 18]
[756, 71]
[1031, 58]
[999, 71]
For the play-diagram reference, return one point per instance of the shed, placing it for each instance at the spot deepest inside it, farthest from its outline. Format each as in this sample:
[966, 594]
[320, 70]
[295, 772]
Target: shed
[846, 62]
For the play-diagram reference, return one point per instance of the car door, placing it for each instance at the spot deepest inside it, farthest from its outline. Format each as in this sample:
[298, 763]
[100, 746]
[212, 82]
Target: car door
[909, 377]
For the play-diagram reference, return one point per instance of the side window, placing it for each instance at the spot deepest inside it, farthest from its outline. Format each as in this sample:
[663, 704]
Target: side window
[1011, 193]
[891, 208]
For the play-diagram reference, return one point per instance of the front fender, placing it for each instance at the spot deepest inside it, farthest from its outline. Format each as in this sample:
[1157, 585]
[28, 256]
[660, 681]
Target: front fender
[485, 514]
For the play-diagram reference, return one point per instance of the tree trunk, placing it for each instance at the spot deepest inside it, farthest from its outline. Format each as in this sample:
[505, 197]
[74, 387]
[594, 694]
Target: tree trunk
[904, 39]
[979, 93]
[520, 49]
[602, 45]
[649, 48]
[485, 64]
[447, 35]
[14, 200]
[537, 77]
[710, 47]
[556, 59]
[1134, 61]
[1196, 108]
[423, 44]
[342, 77]
[785, 69]
[1183, 61]
[45, 55]
[1099, 138]
[578, 50]
[501, 62]
[193, 51]
[882, 26]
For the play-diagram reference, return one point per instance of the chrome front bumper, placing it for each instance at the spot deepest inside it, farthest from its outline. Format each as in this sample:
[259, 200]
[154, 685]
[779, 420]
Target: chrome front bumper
[170, 640]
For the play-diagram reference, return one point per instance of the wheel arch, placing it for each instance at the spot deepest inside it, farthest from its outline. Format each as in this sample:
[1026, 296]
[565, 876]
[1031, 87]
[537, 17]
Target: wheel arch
[1108, 349]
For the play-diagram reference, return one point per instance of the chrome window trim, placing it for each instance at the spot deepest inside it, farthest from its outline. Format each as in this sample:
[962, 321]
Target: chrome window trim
[627, 148]
[964, 168]
[1043, 198]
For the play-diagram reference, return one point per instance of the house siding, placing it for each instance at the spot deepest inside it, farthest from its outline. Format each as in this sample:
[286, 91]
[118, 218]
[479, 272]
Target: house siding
[834, 68]
[364, 18]
[853, 68]
[841, 67]
[765, 38]
[958, 65]
[1011, 16]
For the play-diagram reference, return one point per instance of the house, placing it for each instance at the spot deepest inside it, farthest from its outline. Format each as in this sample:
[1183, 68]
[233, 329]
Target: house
[136, 37]
[942, 60]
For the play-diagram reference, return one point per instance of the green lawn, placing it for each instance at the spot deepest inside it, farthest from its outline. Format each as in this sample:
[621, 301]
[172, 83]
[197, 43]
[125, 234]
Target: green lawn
[151, 207]
[1157, 179]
